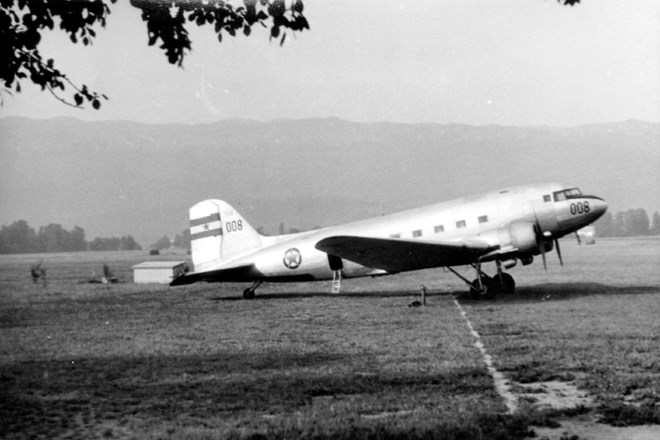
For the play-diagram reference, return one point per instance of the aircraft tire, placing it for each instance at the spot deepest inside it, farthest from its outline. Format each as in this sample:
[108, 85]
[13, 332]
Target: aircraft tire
[506, 284]
[248, 294]
[487, 291]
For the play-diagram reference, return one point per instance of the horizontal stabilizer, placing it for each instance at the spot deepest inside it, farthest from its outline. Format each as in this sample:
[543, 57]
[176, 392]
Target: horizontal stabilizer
[240, 273]
[397, 255]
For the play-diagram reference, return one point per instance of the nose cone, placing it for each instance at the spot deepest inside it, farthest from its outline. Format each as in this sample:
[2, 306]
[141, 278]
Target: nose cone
[598, 207]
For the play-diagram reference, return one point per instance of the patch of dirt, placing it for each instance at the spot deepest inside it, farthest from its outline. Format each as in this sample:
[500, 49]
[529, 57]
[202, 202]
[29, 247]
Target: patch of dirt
[586, 427]
[560, 395]
[552, 394]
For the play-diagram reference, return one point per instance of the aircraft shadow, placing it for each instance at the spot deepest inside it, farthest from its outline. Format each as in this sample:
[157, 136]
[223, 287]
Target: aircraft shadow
[538, 292]
[294, 295]
[561, 292]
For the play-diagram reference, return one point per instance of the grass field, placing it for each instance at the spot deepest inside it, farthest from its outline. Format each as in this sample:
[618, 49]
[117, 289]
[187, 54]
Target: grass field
[80, 360]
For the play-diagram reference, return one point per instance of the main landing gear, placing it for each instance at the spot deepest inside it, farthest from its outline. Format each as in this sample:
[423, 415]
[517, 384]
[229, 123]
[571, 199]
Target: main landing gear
[249, 292]
[485, 287]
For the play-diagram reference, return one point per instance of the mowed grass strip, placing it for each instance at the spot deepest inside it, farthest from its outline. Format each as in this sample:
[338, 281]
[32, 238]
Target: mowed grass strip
[82, 360]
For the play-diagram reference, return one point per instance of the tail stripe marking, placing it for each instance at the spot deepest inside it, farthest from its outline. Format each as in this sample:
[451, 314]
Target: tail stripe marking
[207, 226]
[205, 234]
[215, 217]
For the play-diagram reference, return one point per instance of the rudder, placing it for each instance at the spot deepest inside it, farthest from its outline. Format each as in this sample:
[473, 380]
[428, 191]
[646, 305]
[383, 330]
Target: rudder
[218, 233]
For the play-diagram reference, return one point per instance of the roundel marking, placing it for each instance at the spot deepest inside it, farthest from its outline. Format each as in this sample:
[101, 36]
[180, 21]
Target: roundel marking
[292, 258]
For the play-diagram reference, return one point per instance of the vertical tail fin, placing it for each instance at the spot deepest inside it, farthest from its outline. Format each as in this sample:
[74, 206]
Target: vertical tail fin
[218, 233]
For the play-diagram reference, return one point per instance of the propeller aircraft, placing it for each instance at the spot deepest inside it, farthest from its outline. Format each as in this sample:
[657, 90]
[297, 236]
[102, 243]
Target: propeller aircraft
[505, 227]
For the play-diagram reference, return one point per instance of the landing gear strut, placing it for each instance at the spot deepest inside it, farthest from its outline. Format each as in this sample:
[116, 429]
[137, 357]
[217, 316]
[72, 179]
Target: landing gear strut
[249, 292]
[504, 282]
[484, 286]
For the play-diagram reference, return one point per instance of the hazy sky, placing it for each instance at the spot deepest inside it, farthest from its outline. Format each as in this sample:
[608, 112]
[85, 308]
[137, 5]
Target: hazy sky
[511, 62]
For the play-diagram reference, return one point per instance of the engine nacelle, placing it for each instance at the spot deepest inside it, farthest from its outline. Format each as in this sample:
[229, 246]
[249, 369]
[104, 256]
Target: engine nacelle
[517, 240]
[523, 237]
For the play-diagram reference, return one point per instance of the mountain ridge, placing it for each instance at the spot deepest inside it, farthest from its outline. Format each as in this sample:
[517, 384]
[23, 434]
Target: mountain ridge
[122, 177]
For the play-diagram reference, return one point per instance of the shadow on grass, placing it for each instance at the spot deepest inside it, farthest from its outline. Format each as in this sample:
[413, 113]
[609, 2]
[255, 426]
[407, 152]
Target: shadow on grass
[619, 414]
[482, 426]
[538, 292]
[560, 292]
[292, 295]
[325, 294]
[55, 398]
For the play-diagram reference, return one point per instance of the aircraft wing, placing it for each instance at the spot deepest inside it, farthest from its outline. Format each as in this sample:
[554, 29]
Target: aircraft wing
[397, 255]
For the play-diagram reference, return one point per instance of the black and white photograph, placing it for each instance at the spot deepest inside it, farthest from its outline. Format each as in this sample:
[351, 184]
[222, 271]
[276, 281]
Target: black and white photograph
[330, 219]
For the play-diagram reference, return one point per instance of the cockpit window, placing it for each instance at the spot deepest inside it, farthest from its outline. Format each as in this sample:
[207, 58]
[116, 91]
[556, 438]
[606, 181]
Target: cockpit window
[567, 194]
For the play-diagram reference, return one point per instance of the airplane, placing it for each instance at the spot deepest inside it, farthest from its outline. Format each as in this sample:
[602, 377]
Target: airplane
[504, 227]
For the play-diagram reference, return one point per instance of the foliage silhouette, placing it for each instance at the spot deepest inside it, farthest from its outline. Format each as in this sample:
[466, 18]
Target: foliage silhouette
[22, 23]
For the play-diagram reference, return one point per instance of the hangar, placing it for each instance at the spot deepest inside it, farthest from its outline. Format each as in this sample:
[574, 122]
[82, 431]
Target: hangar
[158, 271]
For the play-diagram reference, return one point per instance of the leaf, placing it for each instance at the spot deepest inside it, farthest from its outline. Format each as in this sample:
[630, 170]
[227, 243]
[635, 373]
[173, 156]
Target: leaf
[283, 38]
[96, 104]
[79, 99]
[275, 32]
[247, 30]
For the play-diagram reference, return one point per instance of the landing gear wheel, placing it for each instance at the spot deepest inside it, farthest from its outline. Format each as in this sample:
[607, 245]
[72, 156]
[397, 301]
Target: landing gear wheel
[505, 283]
[485, 291]
[248, 293]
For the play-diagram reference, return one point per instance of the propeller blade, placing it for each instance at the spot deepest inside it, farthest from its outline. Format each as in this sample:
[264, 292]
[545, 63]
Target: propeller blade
[578, 238]
[539, 240]
[545, 263]
[561, 262]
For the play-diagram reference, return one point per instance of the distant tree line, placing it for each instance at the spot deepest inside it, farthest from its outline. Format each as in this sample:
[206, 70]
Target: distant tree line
[125, 243]
[21, 238]
[633, 222]
[181, 241]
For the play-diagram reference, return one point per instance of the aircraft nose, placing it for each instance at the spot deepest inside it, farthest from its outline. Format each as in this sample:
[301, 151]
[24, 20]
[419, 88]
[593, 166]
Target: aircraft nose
[598, 206]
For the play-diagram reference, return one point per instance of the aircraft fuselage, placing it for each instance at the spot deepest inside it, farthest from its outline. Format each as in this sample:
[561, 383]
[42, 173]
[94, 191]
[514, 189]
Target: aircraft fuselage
[511, 223]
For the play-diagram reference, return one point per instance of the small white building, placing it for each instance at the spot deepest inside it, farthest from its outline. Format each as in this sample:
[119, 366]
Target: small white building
[587, 234]
[158, 271]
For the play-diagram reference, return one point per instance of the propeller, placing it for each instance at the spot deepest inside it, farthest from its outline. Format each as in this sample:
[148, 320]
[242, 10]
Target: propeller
[540, 243]
[578, 238]
[539, 240]
[561, 261]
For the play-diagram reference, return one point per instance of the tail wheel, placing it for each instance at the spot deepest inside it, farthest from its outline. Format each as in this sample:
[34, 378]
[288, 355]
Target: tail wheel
[505, 283]
[248, 293]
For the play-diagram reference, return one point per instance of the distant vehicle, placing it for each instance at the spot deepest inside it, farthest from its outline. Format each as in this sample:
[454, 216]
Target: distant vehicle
[503, 227]
[587, 235]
